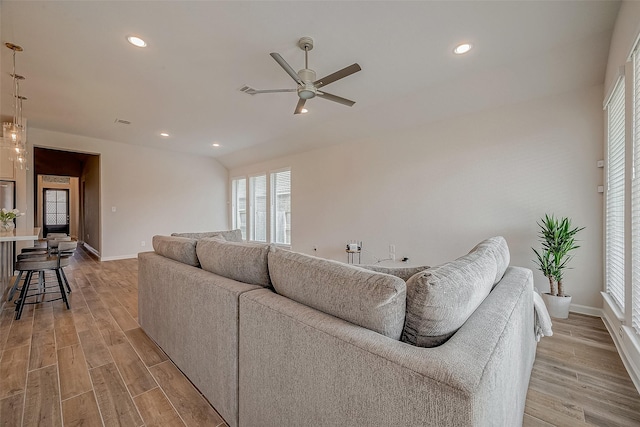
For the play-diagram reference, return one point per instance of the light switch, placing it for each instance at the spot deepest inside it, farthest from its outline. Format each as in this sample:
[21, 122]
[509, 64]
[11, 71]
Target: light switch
[600, 188]
[113, 208]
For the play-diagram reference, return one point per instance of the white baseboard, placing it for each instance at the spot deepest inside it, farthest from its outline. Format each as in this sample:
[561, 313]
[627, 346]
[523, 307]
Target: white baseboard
[90, 249]
[585, 309]
[118, 257]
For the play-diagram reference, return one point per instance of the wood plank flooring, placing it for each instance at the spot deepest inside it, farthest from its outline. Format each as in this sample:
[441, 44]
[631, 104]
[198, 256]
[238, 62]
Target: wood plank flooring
[93, 365]
[578, 379]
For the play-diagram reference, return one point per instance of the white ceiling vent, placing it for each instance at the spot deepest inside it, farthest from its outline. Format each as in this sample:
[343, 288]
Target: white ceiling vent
[122, 122]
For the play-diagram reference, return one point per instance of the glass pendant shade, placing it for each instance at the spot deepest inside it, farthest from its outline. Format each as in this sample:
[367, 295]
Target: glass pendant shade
[13, 141]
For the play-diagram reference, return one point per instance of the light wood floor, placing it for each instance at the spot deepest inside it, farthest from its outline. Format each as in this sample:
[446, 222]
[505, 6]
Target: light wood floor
[578, 379]
[94, 366]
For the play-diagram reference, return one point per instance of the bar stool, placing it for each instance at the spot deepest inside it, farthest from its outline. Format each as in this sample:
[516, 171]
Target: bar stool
[43, 263]
[51, 249]
[50, 237]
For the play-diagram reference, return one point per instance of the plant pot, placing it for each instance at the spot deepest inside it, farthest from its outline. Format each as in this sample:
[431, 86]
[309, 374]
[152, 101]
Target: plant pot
[557, 307]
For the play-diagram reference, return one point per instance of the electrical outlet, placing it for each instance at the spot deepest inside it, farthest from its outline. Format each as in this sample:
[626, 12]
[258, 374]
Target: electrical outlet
[620, 331]
[143, 243]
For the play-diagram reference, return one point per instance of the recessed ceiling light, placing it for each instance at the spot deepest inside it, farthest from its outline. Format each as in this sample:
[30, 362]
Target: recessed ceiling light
[164, 134]
[462, 48]
[215, 144]
[304, 110]
[136, 41]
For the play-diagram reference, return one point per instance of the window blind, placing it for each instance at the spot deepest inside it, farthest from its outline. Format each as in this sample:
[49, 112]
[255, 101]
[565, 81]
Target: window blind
[635, 198]
[614, 208]
[258, 206]
[281, 202]
[239, 197]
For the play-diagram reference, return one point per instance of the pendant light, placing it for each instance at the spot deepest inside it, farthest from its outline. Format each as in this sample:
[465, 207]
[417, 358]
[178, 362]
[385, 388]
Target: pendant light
[14, 135]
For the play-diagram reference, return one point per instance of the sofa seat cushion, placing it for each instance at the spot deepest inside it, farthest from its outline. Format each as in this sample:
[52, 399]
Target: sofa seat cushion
[230, 236]
[405, 273]
[181, 249]
[442, 298]
[369, 299]
[244, 262]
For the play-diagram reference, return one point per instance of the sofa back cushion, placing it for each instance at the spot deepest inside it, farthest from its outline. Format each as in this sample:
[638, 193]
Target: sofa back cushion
[244, 262]
[229, 236]
[405, 273]
[180, 249]
[497, 247]
[441, 299]
[369, 299]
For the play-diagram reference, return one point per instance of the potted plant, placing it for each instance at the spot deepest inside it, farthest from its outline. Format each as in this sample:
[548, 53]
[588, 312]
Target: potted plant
[558, 240]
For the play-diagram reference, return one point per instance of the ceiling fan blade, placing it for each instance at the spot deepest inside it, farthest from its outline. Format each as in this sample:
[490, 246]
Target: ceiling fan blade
[347, 71]
[253, 92]
[334, 98]
[300, 106]
[280, 60]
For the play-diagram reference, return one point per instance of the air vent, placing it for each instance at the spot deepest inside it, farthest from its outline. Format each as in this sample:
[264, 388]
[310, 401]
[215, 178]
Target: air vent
[122, 122]
[248, 90]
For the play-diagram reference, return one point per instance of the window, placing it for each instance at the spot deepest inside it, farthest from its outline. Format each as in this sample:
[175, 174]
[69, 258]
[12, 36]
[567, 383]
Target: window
[258, 208]
[261, 207]
[635, 198]
[281, 207]
[239, 205]
[614, 204]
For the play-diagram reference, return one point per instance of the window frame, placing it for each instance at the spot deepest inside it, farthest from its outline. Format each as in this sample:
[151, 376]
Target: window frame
[235, 207]
[270, 225]
[273, 219]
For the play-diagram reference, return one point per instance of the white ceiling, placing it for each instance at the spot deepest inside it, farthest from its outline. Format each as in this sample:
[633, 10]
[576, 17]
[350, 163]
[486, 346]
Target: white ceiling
[81, 74]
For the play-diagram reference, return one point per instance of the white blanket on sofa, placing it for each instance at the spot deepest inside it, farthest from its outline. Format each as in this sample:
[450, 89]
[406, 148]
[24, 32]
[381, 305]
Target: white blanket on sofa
[542, 323]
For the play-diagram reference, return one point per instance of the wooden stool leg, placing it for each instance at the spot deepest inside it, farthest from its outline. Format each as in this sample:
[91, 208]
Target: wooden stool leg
[62, 291]
[23, 295]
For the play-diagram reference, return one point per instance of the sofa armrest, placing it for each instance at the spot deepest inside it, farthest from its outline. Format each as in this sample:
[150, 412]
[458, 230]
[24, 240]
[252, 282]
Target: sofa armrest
[193, 316]
[299, 366]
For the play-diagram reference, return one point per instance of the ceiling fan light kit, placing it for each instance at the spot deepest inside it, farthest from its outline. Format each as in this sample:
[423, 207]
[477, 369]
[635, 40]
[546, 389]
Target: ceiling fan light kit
[306, 80]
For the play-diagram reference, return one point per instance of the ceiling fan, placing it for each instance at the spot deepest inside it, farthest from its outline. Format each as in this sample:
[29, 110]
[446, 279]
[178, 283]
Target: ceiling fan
[308, 86]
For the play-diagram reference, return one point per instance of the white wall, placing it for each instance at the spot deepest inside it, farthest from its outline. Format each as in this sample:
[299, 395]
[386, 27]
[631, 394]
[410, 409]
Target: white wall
[437, 190]
[153, 191]
[622, 40]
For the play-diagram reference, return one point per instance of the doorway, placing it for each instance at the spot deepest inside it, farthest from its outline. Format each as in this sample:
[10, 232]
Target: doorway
[76, 211]
[56, 211]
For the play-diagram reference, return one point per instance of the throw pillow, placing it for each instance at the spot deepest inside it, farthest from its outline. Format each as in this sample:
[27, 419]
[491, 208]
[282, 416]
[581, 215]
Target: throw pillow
[372, 300]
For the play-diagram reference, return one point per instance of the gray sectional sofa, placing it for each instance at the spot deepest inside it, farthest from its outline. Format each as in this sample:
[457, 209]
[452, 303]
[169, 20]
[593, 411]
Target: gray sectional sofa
[278, 338]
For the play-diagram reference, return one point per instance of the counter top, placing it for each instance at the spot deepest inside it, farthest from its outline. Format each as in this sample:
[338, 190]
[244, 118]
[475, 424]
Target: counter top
[20, 234]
